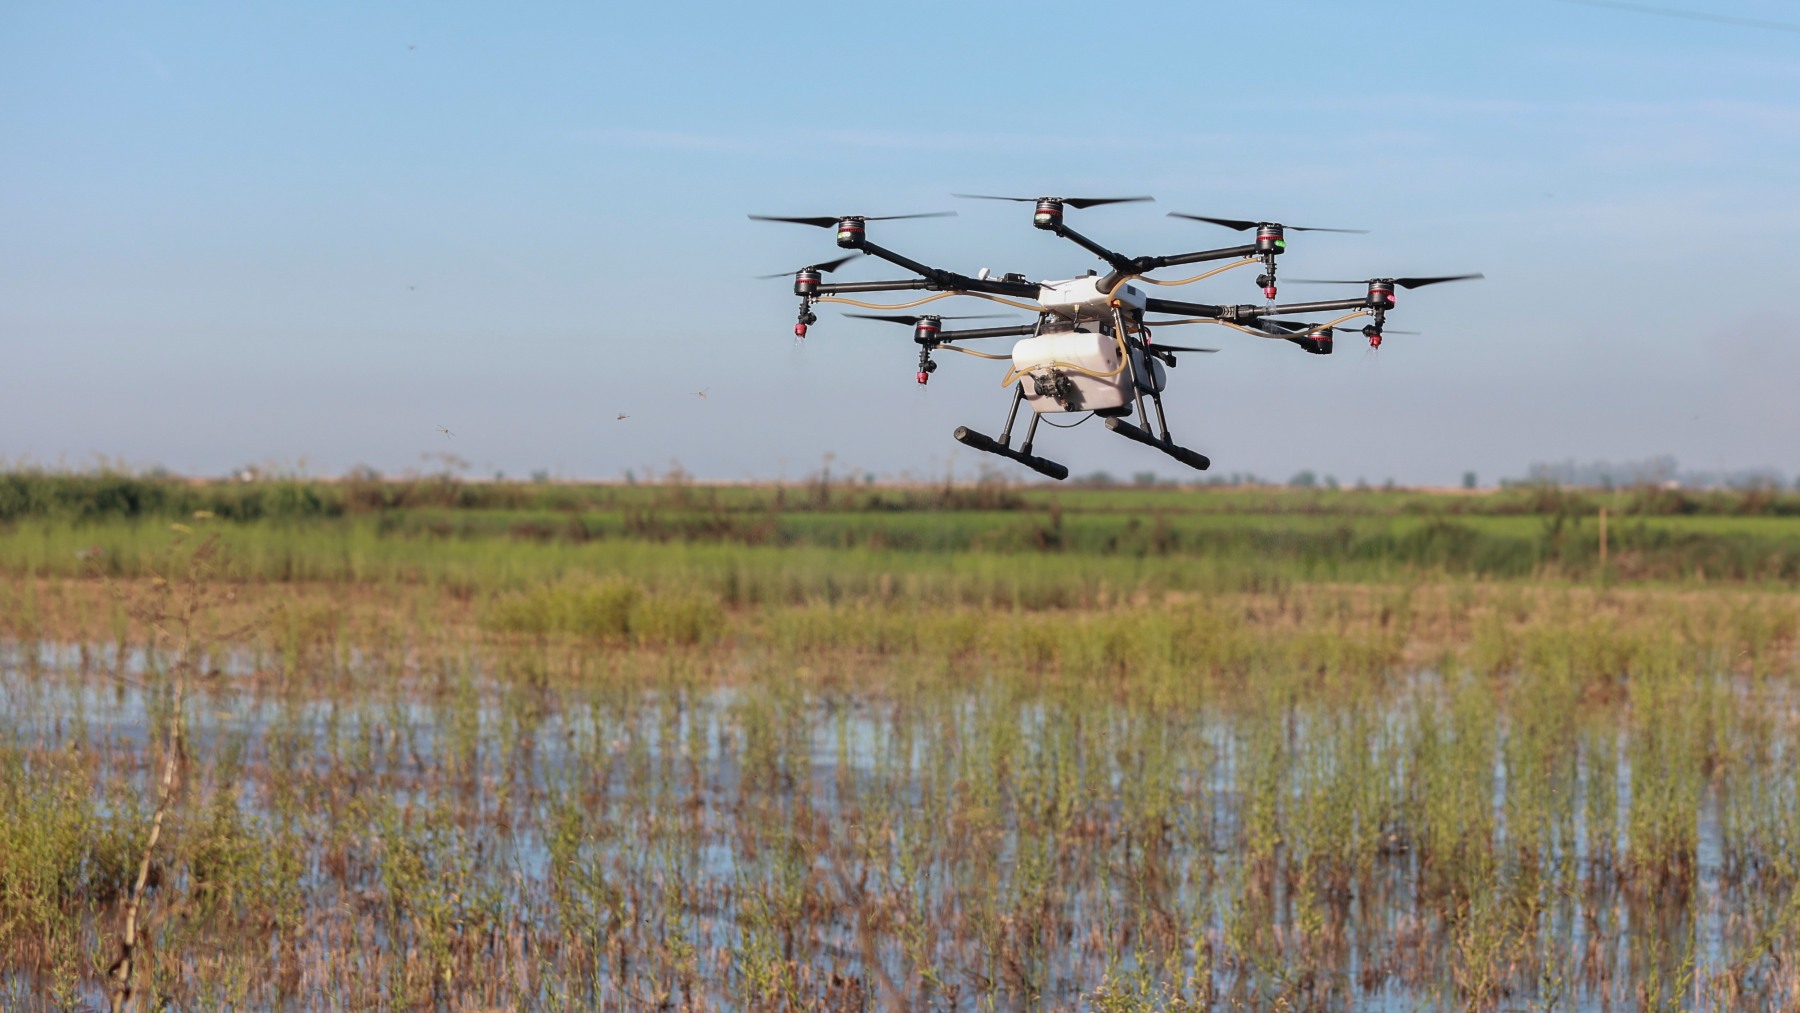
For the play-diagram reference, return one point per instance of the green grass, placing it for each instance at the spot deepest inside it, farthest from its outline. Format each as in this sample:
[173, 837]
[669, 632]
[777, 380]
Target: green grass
[992, 556]
[752, 748]
[110, 494]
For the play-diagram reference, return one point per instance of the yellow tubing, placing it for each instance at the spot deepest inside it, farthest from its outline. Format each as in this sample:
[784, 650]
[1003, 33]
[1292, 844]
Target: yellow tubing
[971, 351]
[1005, 301]
[885, 306]
[1184, 281]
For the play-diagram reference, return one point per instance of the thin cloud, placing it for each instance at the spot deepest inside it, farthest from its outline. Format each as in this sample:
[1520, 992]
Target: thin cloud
[1671, 12]
[667, 140]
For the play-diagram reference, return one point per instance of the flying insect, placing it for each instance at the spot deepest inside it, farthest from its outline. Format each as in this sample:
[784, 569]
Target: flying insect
[1091, 348]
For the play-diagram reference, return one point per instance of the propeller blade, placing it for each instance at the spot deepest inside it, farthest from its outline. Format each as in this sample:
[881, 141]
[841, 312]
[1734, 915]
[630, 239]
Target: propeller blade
[1074, 202]
[1402, 282]
[825, 268]
[1230, 223]
[1157, 346]
[1418, 282]
[1241, 225]
[910, 319]
[895, 218]
[826, 223]
[1090, 202]
[823, 223]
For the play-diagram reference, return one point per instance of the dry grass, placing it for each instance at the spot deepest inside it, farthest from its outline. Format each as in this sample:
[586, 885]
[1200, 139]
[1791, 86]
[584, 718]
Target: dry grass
[630, 789]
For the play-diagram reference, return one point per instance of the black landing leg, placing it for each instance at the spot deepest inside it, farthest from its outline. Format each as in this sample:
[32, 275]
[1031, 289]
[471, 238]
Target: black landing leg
[1162, 443]
[1003, 447]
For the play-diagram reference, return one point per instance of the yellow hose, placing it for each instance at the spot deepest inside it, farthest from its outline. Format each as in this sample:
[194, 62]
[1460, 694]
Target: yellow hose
[885, 306]
[971, 351]
[1184, 281]
[1006, 302]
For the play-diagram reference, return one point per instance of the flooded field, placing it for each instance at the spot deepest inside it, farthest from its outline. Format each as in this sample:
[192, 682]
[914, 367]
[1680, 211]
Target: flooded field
[754, 756]
[1217, 809]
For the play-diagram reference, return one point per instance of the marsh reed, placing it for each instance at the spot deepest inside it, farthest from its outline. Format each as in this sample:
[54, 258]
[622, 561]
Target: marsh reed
[693, 775]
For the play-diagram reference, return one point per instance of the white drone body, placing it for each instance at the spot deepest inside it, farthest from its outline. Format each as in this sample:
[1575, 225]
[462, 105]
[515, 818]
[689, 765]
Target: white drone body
[1082, 336]
[1089, 349]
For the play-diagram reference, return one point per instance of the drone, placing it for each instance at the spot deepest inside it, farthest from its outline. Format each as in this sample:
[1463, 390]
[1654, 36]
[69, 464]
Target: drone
[1090, 349]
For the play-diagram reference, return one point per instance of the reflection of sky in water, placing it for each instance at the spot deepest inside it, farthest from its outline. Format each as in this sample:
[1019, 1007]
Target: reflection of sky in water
[402, 735]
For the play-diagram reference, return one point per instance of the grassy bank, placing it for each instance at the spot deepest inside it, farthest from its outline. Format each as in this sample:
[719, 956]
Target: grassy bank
[431, 759]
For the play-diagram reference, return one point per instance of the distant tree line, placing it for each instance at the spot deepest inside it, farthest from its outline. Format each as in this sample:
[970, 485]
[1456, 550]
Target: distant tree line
[1662, 470]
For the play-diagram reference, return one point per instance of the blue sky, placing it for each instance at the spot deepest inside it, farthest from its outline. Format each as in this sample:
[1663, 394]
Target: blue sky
[311, 234]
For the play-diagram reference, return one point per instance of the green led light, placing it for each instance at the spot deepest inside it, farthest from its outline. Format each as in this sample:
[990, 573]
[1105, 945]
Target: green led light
[1281, 244]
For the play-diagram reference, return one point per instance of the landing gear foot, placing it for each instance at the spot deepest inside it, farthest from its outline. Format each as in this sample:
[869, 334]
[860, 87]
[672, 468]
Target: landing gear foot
[970, 438]
[1184, 455]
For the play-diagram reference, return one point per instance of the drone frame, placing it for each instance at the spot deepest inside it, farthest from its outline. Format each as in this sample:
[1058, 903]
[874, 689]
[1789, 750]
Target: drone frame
[1128, 325]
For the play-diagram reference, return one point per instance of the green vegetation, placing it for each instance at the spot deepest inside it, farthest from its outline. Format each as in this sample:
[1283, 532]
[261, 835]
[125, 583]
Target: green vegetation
[759, 748]
[479, 537]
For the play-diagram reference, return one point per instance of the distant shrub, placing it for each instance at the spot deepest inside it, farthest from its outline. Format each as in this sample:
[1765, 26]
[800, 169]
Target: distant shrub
[610, 610]
[677, 619]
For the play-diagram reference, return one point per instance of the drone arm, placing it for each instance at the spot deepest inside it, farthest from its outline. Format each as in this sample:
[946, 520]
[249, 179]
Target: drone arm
[1144, 265]
[1018, 331]
[1186, 309]
[845, 287]
[950, 280]
[1252, 312]
[1117, 261]
[1247, 312]
[1152, 263]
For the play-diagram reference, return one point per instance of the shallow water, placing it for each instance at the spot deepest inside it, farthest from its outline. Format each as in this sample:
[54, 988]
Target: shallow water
[974, 845]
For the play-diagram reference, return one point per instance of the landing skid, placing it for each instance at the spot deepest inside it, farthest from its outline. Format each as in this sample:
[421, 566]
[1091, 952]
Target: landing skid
[970, 438]
[1161, 442]
[1179, 453]
[1003, 446]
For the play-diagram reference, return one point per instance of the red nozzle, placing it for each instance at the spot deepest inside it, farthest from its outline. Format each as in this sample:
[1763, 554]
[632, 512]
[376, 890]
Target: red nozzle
[1269, 291]
[924, 377]
[799, 330]
[1375, 340]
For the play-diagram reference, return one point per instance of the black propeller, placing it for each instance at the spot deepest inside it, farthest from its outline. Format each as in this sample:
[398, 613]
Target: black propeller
[1157, 346]
[828, 223]
[1302, 327]
[825, 268]
[1402, 282]
[1074, 202]
[1244, 226]
[910, 320]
